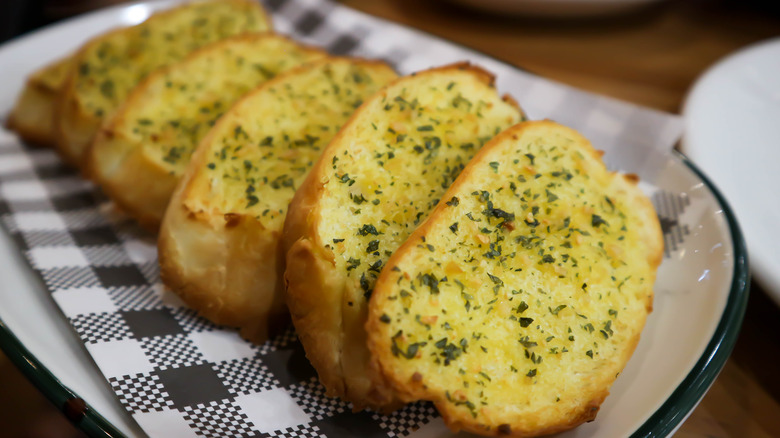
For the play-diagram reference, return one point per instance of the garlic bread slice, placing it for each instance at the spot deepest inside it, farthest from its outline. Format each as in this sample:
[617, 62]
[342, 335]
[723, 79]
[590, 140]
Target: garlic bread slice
[219, 240]
[519, 301]
[378, 178]
[32, 117]
[106, 68]
[141, 152]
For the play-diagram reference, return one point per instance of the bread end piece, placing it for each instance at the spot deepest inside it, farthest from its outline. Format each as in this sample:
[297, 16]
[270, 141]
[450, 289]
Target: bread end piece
[106, 68]
[215, 281]
[220, 253]
[32, 117]
[315, 314]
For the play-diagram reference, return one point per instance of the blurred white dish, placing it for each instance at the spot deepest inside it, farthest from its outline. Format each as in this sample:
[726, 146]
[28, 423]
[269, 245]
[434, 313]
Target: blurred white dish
[732, 117]
[558, 8]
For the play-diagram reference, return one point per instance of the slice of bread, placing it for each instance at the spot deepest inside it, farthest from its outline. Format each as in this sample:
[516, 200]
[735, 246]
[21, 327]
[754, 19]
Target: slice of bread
[378, 178]
[32, 117]
[219, 241]
[106, 68]
[519, 301]
[143, 149]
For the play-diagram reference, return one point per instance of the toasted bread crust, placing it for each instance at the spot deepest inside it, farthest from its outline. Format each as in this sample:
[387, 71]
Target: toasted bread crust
[127, 164]
[225, 263]
[138, 187]
[86, 100]
[522, 414]
[32, 117]
[221, 256]
[328, 312]
[210, 269]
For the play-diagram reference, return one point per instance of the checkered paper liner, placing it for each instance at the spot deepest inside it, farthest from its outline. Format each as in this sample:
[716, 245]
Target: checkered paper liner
[180, 375]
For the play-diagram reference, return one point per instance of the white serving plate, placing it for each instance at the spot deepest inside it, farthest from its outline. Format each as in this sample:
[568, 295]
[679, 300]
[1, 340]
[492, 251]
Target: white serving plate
[701, 292]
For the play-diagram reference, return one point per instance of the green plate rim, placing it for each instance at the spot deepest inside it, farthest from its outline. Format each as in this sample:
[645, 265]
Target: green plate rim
[667, 418]
[88, 420]
[664, 421]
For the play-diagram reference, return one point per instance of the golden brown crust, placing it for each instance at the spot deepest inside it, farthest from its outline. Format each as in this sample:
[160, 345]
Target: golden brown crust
[652, 233]
[502, 420]
[310, 279]
[73, 127]
[459, 423]
[74, 124]
[221, 260]
[150, 185]
[311, 312]
[307, 272]
[330, 321]
[221, 257]
[32, 117]
[29, 116]
[140, 184]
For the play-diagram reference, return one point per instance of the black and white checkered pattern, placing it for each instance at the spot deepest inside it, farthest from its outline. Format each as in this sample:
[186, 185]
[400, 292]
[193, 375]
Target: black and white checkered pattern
[100, 327]
[407, 420]
[284, 340]
[175, 371]
[135, 297]
[670, 206]
[171, 351]
[141, 393]
[300, 431]
[218, 419]
[310, 395]
[190, 321]
[246, 376]
[68, 277]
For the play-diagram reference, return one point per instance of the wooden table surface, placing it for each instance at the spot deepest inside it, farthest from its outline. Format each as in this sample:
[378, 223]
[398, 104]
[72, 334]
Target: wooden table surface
[650, 58]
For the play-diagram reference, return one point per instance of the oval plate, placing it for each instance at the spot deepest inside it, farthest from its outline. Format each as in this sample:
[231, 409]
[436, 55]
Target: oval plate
[701, 291]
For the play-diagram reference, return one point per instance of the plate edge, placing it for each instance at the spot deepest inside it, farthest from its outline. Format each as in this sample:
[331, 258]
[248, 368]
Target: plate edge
[73, 407]
[681, 403]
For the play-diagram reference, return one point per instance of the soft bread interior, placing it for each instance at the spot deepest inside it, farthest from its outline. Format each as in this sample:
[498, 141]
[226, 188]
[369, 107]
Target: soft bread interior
[219, 243]
[519, 301]
[376, 181]
[33, 114]
[144, 148]
[108, 67]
